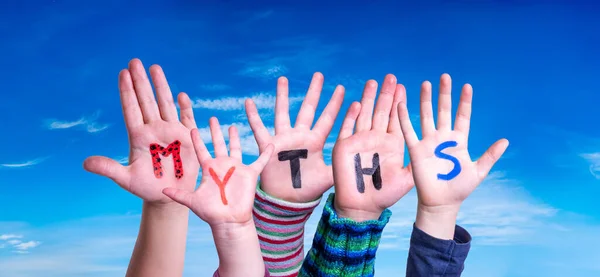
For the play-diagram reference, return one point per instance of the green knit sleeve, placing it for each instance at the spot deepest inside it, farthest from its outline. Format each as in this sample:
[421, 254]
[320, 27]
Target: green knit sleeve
[343, 247]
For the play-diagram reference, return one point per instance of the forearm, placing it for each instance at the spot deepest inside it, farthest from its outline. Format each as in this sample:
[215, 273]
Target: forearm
[280, 228]
[238, 249]
[438, 247]
[160, 247]
[343, 246]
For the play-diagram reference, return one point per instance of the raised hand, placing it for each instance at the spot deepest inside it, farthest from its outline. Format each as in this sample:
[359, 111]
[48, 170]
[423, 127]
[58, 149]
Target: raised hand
[368, 165]
[226, 193]
[225, 199]
[443, 170]
[297, 171]
[151, 127]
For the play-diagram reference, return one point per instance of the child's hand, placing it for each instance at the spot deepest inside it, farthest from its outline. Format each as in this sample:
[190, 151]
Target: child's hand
[226, 193]
[297, 172]
[363, 190]
[442, 168]
[152, 126]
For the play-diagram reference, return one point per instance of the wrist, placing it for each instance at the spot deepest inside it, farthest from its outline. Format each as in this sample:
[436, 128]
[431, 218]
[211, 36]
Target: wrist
[232, 232]
[165, 210]
[437, 221]
[358, 215]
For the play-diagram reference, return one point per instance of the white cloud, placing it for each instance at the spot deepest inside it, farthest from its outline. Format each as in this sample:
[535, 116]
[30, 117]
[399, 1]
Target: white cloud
[23, 246]
[10, 236]
[88, 123]
[262, 101]
[594, 160]
[13, 241]
[23, 164]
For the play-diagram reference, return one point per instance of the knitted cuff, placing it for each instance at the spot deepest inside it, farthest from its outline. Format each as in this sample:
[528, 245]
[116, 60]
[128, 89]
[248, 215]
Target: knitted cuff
[343, 247]
[280, 228]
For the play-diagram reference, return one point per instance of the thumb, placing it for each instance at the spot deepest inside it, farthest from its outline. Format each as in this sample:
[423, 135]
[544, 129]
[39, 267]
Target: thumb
[263, 159]
[180, 196]
[490, 157]
[108, 168]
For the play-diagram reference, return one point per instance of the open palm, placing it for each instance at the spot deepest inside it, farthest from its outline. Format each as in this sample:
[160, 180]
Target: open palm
[314, 177]
[443, 170]
[150, 123]
[226, 193]
[377, 134]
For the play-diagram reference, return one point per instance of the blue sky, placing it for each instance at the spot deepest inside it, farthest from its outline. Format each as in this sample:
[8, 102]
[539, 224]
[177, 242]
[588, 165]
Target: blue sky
[533, 66]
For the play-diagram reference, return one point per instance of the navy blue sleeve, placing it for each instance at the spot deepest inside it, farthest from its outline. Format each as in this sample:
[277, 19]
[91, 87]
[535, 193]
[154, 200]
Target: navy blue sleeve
[433, 257]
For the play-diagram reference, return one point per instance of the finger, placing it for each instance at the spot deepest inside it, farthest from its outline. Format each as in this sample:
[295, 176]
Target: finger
[261, 134]
[349, 121]
[282, 106]
[463, 114]
[180, 196]
[260, 163]
[394, 124]
[235, 149]
[444, 119]
[186, 110]
[217, 138]
[327, 118]
[384, 103]
[306, 115]
[108, 168]
[166, 105]
[407, 129]
[201, 152]
[427, 122]
[143, 91]
[131, 108]
[490, 157]
[363, 123]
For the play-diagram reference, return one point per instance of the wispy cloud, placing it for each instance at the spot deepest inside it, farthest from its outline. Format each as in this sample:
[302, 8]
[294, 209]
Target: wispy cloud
[10, 236]
[260, 15]
[96, 247]
[262, 101]
[122, 160]
[214, 87]
[298, 53]
[89, 124]
[264, 69]
[594, 160]
[13, 242]
[24, 164]
[24, 246]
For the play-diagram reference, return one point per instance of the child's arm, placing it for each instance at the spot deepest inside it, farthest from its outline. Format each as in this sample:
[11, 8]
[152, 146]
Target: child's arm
[296, 176]
[343, 245]
[369, 176]
[224, 200]
[445, 176]
[150, 170]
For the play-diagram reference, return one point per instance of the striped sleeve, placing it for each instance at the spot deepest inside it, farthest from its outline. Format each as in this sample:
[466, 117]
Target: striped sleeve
[280, 228]
[343, 247]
